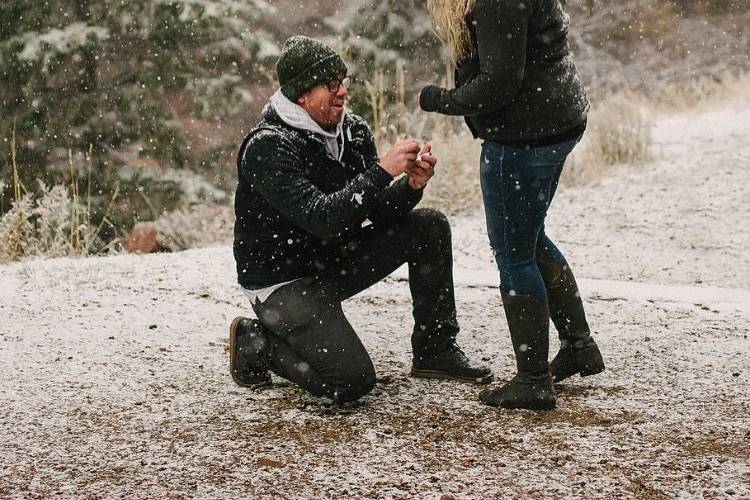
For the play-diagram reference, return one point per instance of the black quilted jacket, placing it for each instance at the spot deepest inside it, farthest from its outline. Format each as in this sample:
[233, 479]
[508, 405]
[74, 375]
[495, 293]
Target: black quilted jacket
[295, 204]
[521, 85]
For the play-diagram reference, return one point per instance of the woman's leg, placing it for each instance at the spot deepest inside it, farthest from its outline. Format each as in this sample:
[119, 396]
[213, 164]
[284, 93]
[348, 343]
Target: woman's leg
[518, 186]
[579, 353]
[565, 305]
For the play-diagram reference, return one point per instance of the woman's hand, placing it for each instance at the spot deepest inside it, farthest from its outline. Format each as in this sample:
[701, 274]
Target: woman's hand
[429, 98]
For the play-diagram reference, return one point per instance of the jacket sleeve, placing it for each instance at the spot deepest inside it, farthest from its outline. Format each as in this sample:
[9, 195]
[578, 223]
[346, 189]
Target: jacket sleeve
[501, 28]
[275, 170]
[396, 200]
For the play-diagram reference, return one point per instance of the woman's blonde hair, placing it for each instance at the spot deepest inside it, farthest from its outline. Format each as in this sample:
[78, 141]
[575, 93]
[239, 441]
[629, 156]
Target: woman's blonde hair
[449, 19]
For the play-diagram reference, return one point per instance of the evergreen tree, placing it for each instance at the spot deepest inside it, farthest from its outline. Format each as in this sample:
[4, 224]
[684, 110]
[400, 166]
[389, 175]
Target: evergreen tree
[380, 36]
[108, 73]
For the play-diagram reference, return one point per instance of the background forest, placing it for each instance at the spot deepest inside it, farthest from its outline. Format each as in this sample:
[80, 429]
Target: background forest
[133, 110]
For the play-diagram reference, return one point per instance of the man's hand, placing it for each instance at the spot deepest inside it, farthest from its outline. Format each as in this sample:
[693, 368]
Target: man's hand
[423, 168]
[401, 157]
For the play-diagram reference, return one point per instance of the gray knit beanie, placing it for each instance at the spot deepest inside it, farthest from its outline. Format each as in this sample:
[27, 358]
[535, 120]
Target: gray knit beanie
[305, 63]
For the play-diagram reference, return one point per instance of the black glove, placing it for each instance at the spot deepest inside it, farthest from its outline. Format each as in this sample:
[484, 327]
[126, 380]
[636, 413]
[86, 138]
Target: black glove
[429, 98]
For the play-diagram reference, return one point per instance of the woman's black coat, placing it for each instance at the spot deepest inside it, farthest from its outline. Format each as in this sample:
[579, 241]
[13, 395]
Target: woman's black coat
[520, 84]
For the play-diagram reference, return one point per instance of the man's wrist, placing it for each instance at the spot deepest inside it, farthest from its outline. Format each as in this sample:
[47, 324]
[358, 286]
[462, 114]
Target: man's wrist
[382, 176]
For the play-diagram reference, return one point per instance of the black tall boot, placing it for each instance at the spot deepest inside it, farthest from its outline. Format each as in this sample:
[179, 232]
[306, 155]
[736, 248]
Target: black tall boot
[531, 388]
[578, 354]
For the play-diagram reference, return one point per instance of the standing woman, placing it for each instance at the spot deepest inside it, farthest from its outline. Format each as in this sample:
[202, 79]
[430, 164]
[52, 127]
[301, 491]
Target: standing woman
[519, 91]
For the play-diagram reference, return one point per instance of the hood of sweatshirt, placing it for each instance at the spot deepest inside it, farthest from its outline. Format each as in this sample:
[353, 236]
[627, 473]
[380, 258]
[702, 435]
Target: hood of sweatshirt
[295, 116]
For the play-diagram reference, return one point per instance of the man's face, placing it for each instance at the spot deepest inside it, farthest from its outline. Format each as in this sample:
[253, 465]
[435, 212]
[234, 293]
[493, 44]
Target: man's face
[324, 106]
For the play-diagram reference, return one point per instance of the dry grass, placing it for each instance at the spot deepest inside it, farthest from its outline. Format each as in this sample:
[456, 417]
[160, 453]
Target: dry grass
[618, 133]
[52, 222]
[702, 93]
[56, 222]
[455, 187]
[38, 225]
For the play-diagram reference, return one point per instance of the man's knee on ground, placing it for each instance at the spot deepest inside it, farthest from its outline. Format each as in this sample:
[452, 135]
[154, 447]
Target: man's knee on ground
[352, 378]
[356, 385]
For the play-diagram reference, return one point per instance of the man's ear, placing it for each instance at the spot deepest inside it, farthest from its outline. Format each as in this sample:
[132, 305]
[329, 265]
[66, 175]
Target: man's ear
[302, 100]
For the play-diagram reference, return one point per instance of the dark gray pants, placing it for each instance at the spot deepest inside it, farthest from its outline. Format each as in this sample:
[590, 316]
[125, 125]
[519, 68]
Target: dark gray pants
[312, 344]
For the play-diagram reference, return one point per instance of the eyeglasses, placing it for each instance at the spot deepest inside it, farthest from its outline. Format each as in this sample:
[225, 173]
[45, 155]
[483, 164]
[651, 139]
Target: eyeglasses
[335, 84]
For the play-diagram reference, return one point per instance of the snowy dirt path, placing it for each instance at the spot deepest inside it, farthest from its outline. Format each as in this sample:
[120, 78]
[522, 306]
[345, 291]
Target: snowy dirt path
[682, 219]
[113, 371]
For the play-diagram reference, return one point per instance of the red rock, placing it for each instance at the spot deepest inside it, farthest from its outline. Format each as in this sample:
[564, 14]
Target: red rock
[144, 238]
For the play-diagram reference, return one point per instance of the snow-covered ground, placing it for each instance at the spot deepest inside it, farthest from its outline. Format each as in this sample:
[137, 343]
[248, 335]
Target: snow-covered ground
[114, 383]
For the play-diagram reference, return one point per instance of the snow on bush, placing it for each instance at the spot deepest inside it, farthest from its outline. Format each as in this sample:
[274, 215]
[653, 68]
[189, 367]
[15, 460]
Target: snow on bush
[221, 96]
[190, 187]
[40, 226]
[618, 132]
[193, 10]
[16, 230]
[59, 41]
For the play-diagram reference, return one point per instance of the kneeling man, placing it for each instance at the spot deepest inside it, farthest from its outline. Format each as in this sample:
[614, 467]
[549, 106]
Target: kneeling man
[319, 219]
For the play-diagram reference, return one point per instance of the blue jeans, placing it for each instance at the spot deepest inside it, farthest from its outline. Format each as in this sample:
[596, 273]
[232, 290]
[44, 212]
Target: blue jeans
[517, 187]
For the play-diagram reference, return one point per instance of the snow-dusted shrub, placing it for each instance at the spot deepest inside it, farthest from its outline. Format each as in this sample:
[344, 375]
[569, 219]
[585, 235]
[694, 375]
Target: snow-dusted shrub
[691, 94]
[618, 132]
[51, 45]
[222, 96]
[42, 225]
[16, 230]
[53, 220]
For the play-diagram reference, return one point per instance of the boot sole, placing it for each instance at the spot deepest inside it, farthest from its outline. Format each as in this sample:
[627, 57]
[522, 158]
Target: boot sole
[585, 372]
[535, 406]
[436, 375]
[594, 370]
[232, 361]
[543, 404]
[592, 364]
